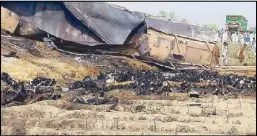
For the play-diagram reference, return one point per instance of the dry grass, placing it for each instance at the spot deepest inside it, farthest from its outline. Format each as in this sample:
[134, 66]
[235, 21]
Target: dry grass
[51, 64]
[130, 95]
[234, 52]
[29, 66]
[159, 117]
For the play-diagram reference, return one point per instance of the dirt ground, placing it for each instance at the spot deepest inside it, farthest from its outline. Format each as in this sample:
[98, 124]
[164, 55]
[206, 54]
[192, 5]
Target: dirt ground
[214, 115]
[168, 115]
[35, 60]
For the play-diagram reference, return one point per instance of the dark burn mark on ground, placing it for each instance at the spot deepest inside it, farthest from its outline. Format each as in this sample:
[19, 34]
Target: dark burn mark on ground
[144, 83]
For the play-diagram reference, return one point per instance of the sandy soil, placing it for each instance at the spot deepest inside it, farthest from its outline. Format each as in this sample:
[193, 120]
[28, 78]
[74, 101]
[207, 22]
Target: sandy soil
[215, 115]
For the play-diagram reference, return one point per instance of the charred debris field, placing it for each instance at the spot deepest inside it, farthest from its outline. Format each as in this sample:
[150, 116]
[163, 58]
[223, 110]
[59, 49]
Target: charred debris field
[106, 73]
[106, 94]
[89, 75]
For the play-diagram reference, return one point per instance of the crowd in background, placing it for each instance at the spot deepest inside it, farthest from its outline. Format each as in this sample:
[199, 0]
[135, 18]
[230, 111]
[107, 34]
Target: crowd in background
[243, 39]
[248, 38]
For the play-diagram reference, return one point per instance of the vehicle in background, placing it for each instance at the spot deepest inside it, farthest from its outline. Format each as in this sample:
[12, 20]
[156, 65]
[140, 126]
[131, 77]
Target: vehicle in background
[236, 23]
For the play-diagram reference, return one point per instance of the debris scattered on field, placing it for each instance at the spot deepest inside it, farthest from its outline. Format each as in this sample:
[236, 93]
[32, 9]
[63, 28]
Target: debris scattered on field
[43, 81]
[194, 104]
[144, 83]
[140, 108]
[11, 54]
[194, 94]
[117, 74]
[50, 44]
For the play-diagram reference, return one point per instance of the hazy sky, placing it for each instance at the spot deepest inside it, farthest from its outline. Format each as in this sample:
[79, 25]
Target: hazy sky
[198, 12]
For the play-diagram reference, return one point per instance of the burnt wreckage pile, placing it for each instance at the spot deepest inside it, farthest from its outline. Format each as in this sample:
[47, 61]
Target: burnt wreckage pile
[18, 93]
[208, 76]
[142, 82]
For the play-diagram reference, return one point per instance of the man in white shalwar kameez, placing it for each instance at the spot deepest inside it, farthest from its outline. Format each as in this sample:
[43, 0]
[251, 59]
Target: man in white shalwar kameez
[251, 37]
[224, 51]
[236, 38]
[241, 39]
[224, 36]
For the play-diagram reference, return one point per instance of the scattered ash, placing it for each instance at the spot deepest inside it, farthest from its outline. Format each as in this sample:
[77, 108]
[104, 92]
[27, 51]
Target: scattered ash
[196, 76]
[143, 83]
[108, 64]
[43, 81]
[9, 81]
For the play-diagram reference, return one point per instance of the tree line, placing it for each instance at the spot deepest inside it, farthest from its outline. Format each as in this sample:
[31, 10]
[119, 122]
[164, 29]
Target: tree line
[172, 16]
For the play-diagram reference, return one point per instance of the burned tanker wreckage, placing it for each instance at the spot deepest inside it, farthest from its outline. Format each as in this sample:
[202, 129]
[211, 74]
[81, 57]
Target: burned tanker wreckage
[80, 28]
[142, 82]
[104, 29]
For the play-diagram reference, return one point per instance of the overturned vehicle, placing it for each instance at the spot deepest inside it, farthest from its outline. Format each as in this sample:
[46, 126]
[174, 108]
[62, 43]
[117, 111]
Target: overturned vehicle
[106, 29]
[100, 35]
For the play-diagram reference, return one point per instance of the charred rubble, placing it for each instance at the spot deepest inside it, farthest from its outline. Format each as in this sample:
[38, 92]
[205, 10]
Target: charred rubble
[143, 83]
[208, 76]
[18, 93]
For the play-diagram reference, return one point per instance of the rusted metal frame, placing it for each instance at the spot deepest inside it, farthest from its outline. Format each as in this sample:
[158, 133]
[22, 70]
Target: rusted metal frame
[203, 50]
[210, 51]
[186, 46]
[197, 48]
[180, 51]
[178, 35]
[172, 65]
[159, 43]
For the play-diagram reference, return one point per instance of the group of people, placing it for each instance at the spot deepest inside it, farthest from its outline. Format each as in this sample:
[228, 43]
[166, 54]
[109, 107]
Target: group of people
[224, 53]
[216, 53]
[241, 38]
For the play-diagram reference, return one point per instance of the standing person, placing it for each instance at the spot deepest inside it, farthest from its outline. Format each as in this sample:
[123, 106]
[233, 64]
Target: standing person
[224, 53]
[247, 38]
[236, 37]
[241, 55]
[254, 36]
[216, 54]
[233, 37]
[251, 38]
[254, 44]
[241, 38]
[224, 36]
[221, 35]
[229, 36]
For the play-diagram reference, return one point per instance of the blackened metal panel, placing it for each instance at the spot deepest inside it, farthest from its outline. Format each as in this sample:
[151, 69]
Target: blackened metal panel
[196, 32]
[170, 27]
[111, 24]
[53, 18]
